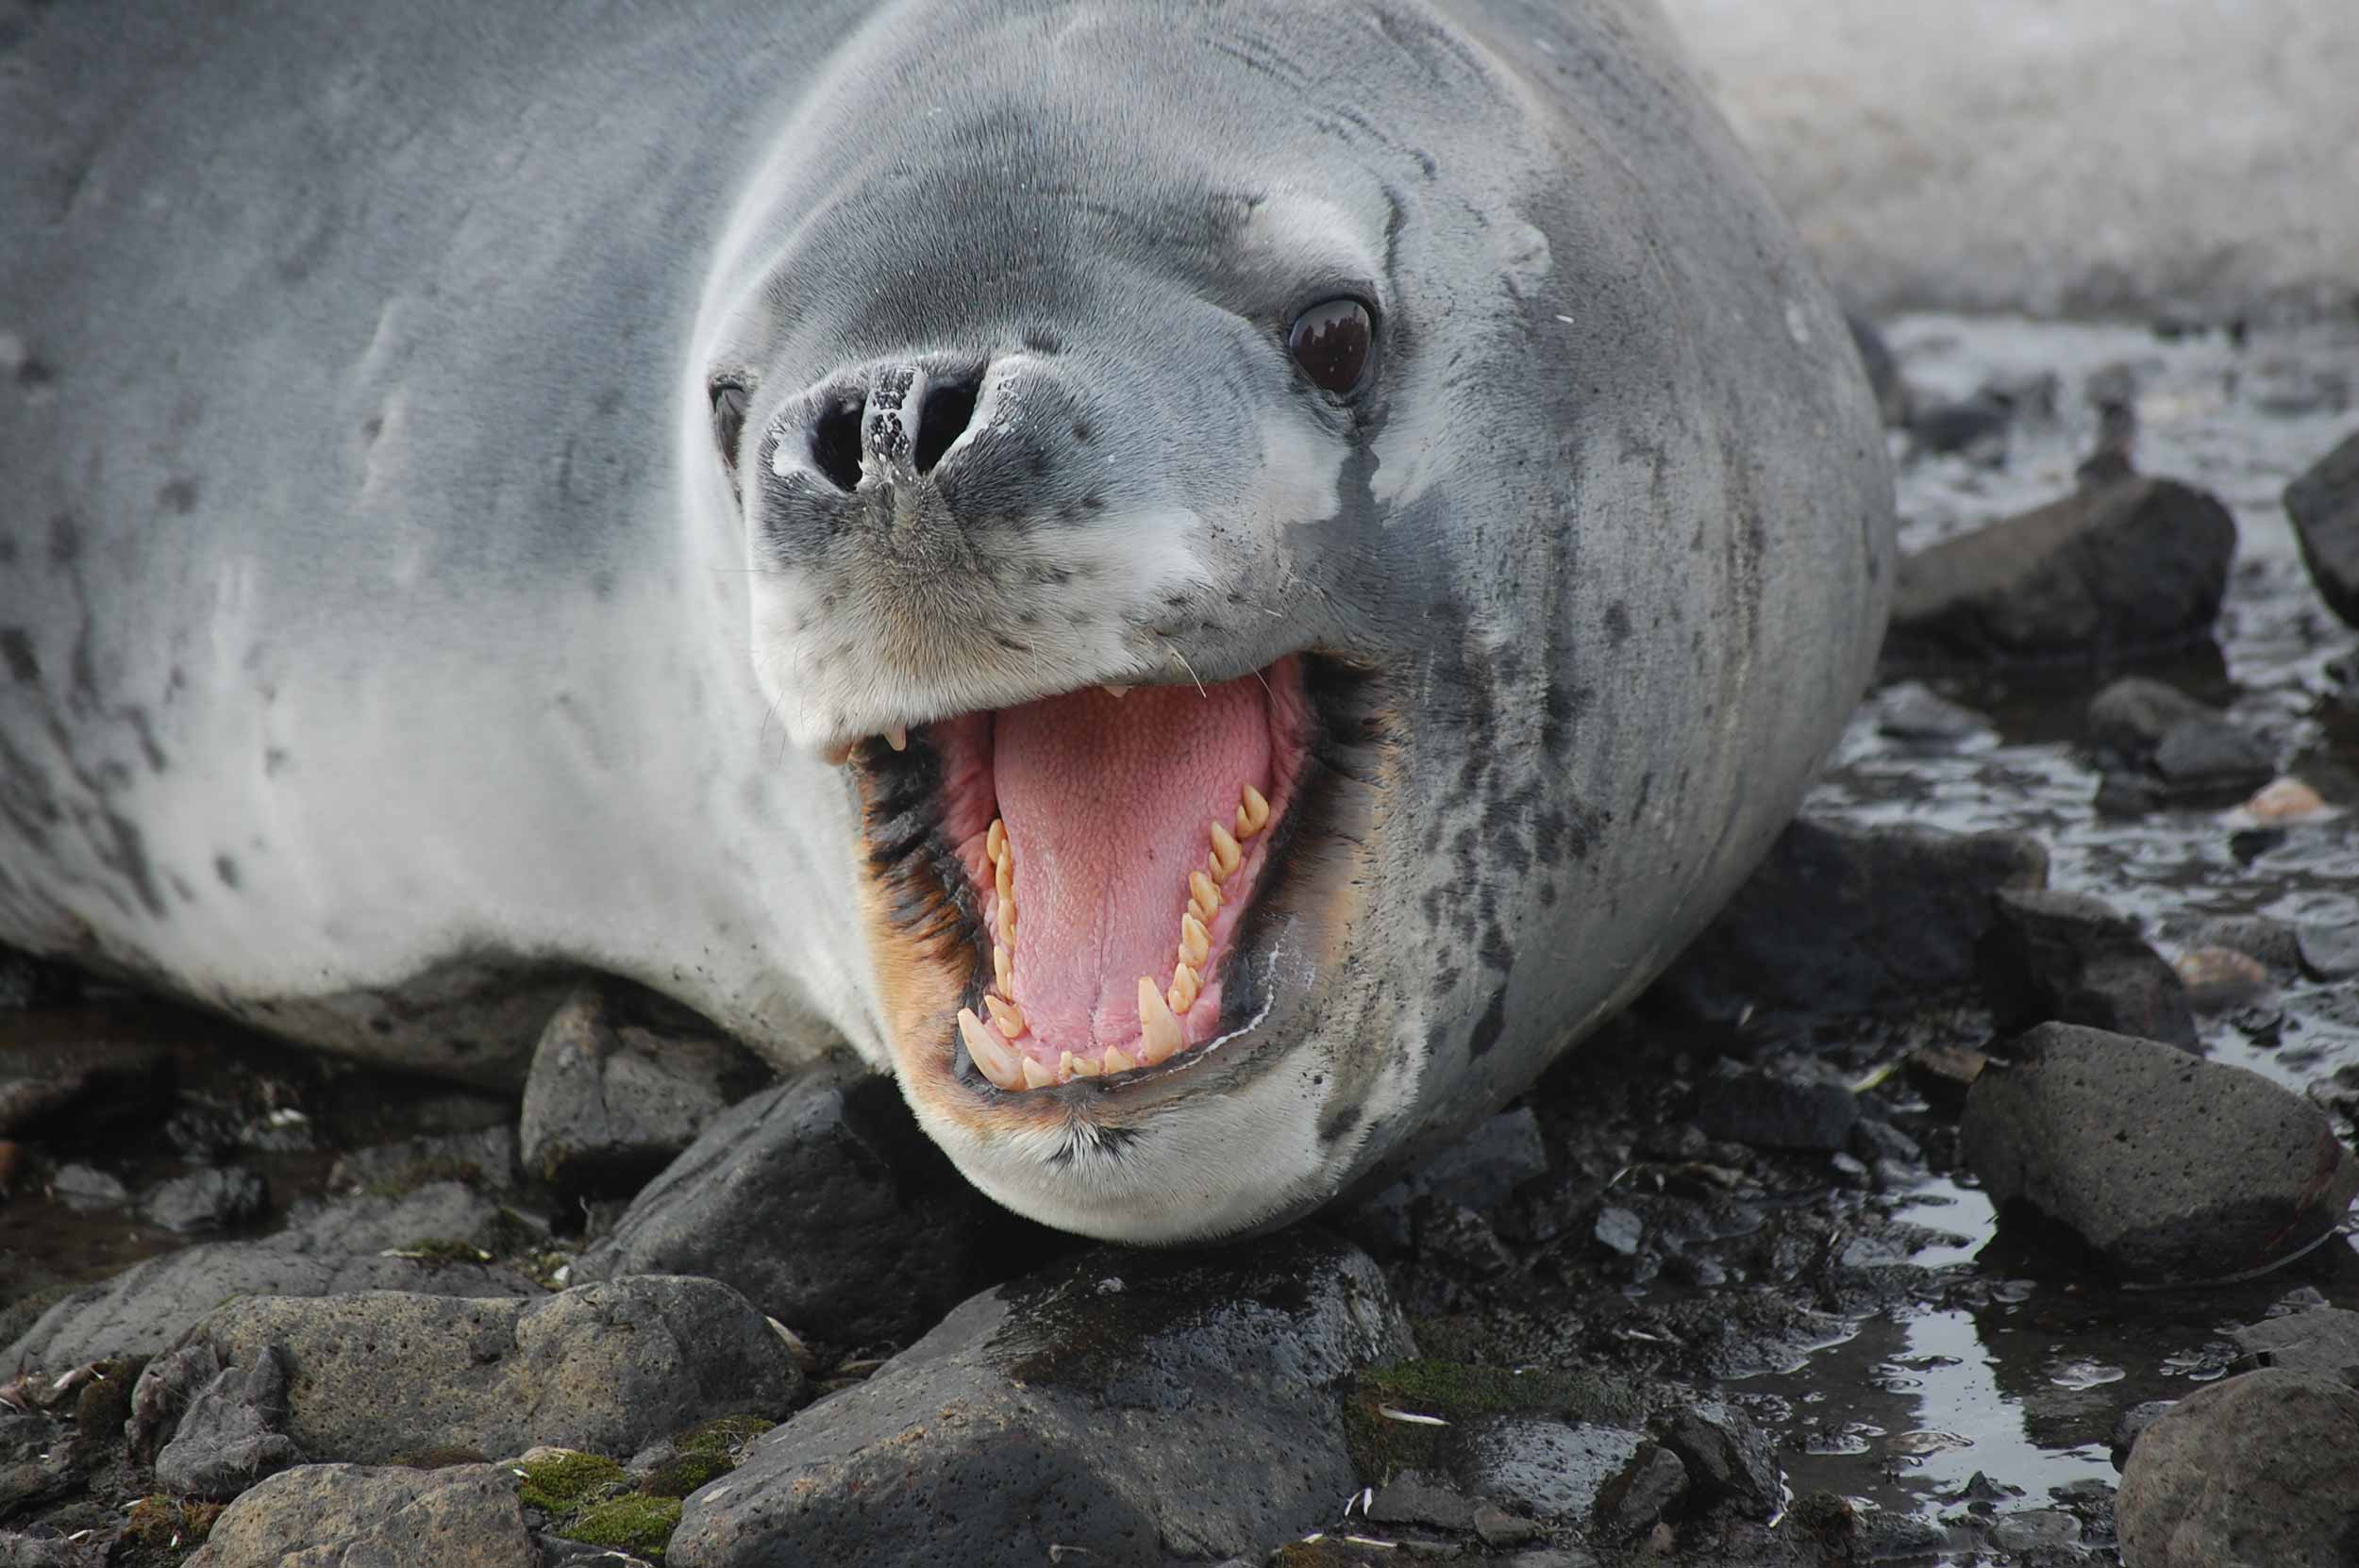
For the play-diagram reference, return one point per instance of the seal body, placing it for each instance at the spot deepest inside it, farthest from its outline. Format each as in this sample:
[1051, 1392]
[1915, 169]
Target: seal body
[835, 514]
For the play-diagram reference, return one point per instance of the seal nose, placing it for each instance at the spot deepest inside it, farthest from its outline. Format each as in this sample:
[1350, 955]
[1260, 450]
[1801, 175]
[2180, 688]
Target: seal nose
[900, 421]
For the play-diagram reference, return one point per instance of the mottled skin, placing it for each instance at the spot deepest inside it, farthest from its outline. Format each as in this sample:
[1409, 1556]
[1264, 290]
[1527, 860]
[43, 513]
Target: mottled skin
[386, 639]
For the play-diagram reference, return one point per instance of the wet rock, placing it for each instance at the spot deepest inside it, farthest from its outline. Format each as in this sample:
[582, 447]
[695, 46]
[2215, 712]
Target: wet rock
[1651, 1486]
[52, 1075]
[481, 1157]
[1414, 1497]
[2068, 957]
[2272, 942]
[1841, 920]
[144, 1309]
[1726, 1456]
[608, 1103]
[208, 1200]
[232, 1434]
[2166, 1167]
[2323, 505]
[1910, 711]
[1548, 1469]
[2218, 978]
[2176, 747]
[2329, 952]
[383, 1375]
[2036, 1530]
[1553, 1557]
[465, 1516]
[823, 1203]
[1968, 423]
[1137, 1407]
[2133, 565]
[2320, 1342]
[1776, 1110]
[2260, 1471]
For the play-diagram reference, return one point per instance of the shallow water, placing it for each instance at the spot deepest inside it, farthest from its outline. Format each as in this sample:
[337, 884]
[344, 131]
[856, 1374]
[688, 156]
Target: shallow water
[2015, 1381]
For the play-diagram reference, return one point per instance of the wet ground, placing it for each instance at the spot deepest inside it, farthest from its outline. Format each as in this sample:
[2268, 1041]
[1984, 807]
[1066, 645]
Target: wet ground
[1958, 1393]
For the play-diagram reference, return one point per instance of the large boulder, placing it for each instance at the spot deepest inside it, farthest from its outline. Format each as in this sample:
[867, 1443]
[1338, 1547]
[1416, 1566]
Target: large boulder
[2260, 1471]
[344, 1516]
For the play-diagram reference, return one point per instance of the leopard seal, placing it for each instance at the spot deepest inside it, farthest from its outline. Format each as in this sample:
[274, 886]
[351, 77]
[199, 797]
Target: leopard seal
[1208, 586]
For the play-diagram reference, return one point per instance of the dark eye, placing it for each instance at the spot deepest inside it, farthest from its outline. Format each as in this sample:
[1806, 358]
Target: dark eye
[729, 419]
[1331, 341]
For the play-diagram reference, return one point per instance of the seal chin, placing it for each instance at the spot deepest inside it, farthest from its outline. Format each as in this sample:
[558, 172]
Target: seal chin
[1081, 908]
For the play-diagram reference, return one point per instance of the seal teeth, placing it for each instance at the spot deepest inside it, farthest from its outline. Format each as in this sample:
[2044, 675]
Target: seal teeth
[1037, 1076]
[1159, 1027]
[1116, 1061]
[1196, 943]
[1002, 969]
[1252, 813]
[1203, 896]
[1006, 1014]
[1185, 985]
[996, 840]
[1083, 1067]
[1225, 854]
[1116, 690]
[897, 738]
[999, 1064]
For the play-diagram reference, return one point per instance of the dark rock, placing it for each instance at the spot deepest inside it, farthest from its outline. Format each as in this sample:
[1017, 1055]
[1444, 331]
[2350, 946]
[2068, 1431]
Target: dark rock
[144, 1309]
[208, 1200]
[2324, 507]
[384, 1376]
[444, 1215]
[1773, 1111]
[2070, 958]
[2330, 952]
[1727, 1457]
[87, 1187]
[1490, 1163]
[556, 1552]
[2260, 1471]
[2126, 567]
[464, 1516]
[2274, 943]
[2166, 1167]
[1651, 1487]
[1553, 1557]
[608, 1103]
[825, 1204]
[2320, 1342]
[1549, 1469]
[1961, 425]
[1134, 1406]
[1414, 1497]
[43, 1548]
[54, 1076]
[1839, 920]
[233, 1433]
[483, 1156]
[2186, 749]
[2036, 1530]
[1499, 1529]
[1884, 371]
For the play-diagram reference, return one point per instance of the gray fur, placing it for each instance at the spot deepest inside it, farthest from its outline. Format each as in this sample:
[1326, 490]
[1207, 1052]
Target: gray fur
[378, 611]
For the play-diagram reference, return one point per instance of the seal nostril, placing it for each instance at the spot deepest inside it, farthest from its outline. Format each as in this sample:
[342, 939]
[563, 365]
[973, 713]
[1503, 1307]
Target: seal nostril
[948, 405]
[835, 442]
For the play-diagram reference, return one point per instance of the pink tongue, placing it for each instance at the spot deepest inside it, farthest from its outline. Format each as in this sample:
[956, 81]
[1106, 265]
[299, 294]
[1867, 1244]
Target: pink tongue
[1107, 802]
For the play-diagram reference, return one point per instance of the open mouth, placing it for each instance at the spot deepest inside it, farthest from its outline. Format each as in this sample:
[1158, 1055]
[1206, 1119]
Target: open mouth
[1091, 868]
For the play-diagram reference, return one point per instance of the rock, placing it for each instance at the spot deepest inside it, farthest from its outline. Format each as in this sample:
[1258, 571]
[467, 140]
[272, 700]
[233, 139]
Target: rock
[2329, 952]
[825, 1204]
[43, 1548]
[57, 1067]
[1726, 1456]
[2320, 1342]
[2285, 801]
[1549, 1469]
[2323, 505]
[1649, 1488]
[2260, 1471]
[2182, 749]
[233, 1433]
[1776, 1110]
[144, 1309]
[1481, 1170]
[483, 1157]
[2274, 943]
[1840, 919]
[208, 1200]
[321, 1515]
[2218, 978]
[2133, 1421]
[1132, 1406]
[2125, 567]
[87, 1187]
[608, 1103]
[446, 1216]
[1964, 426]
[2168, 1168]
[1414, 1497]
[2068, 957]
[1910, 711]
[2037, 1530]
[384, 1376]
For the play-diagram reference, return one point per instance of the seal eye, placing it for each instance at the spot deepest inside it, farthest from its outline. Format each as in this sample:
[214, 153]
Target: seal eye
[1331, 341]
[728, 420]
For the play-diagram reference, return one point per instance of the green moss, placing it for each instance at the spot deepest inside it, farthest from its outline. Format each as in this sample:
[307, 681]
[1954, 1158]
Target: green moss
[444, 1249]
[563, 1482]
[705, 1455]
[637, 1522]
[1381, 1445]
[169, 1524]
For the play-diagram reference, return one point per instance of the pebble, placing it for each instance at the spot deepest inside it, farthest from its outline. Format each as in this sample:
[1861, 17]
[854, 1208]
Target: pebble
[2260, 1471]
[823, 1201]
[2320, 1342]
[2218, 978]
[2323, 506]
[1136, 1407]
[2170, 1169]
[2329, 952]
[462, 1516]
[2069, 957]
[1776, 1110]
[2286, 800]
[1910, 711]
[87, 1187]
[605, 1368]
[208, 1200]
[1727, 1457]
[2124, 566]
